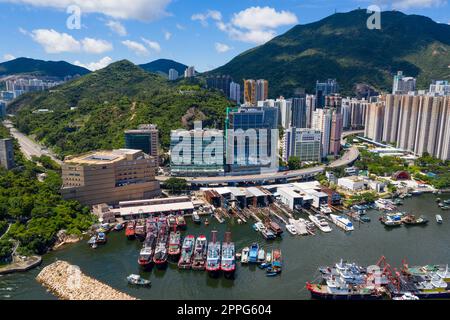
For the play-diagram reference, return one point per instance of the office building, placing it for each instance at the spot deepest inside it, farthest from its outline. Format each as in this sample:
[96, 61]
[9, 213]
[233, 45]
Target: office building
[324, 89]
[441, 88]
[173, 75]
[299, 113]
[235, 92]
[189, 72]
[306, 144]
[247, 154]
[7, 153]
[145, 138]
[322, 120]
[402, 84]
[196, 153]
[109, 177]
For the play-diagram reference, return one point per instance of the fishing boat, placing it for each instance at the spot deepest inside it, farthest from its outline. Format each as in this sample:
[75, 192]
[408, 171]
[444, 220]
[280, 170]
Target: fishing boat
[130, 230]
[291, 229]
[161, 254]
[268, 257]
[213, 255]
[137, 280]
[200, 252]
[119, 227]
[391, 220]
[172, 222]
[140, 231]
[320, 223]
[228, 262]
[101, 238]
[439, 218]
[196, 218]
[174, 245]
[411, 220]
[244, 255]
[146, 254]
[261, 255]
[275, 267]
[187, 250]
[325, 209]
[181, 222]
[268, 234]
[93, 242]
[253, 254]
[342, 222]
[365, 218]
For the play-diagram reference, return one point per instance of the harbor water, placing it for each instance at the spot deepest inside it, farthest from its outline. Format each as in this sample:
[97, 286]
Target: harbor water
[113, 262]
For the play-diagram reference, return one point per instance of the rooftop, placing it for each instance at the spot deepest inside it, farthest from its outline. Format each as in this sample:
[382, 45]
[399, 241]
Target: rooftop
[104, 157]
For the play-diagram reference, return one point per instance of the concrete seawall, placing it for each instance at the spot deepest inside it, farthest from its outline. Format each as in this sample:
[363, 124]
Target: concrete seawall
[67, 282]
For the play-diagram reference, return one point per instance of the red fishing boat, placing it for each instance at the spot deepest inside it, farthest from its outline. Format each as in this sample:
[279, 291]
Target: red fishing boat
[213, 255]
[161, 254]
[146, 255]
[139, 229]
[174, 245]
[228, 262]
[130, 230]
[200, 251]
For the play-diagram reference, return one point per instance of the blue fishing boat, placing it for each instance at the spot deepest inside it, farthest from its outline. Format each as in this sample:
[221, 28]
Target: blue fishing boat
[253, 255]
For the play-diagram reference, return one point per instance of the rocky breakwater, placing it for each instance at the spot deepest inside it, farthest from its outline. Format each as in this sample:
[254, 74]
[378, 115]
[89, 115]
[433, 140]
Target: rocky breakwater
[67, 282]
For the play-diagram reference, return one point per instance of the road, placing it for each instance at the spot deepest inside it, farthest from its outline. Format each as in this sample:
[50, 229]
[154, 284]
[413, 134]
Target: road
[29, 147]
[350, 156]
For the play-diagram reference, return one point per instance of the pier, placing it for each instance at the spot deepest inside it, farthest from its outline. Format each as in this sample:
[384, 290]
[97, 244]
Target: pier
[67, 282]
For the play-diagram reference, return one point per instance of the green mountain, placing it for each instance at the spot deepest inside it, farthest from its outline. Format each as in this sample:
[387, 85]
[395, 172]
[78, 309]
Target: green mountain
[58, 69]
[342, 47]
[163, 66]
[92, 111]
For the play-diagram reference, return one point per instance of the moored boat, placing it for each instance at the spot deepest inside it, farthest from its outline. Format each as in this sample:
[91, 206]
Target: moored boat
[439, 218]
[181, 222]
[261, 255]
[174, 245]
[253, 254]
[196, 218]
[140, 230]
[320, 223]
[342, 222]
[187, 250]
[412, 220]
[291, 229]
[200, 252]
[228, 261]
[119, 227]
[213, 255]
[268, 234]
[101, 238]
[137, 280]
[130, 230]
[276, 265]
[172, 222]
[275, 227]
[161, 254]
[244, 255]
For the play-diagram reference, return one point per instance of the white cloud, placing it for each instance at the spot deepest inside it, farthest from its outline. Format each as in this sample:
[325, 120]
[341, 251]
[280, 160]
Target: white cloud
[8, 57]
[257, 18]
[180, 27]
[145, 10]
[221, 47]
[254, 25]
[203, 17]
[102, 63]
[407, 4]
[55, 42]
[23, 31]
[152, 45]
[136, 47]
[167, 35]
[117, 27]
[96, 46]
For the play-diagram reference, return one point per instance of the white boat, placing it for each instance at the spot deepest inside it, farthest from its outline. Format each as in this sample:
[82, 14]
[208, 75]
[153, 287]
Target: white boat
[259, 226]
[320, 222]
[261, 255]
[244, 255]
[342, 222]
[291, 229]
[325, 209]
[438, 218]
[269, 257]
[407, 296]
[300, 226]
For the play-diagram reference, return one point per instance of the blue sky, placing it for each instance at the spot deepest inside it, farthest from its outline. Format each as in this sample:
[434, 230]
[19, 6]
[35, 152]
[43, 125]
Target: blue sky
[206, 34]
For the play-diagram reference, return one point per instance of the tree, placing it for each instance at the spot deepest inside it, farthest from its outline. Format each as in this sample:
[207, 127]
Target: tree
[176, 185]
[294, 163]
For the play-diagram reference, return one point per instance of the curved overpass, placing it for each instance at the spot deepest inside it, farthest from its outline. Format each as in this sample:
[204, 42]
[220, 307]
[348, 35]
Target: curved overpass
[349, 157]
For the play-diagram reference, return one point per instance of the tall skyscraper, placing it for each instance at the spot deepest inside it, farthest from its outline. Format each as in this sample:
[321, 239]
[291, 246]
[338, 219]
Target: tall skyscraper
[336, 132]
[189, 72]
[235, 92]
[322, 120]
[310, 108]
[306, 144]
[324, 89]
[173, 75]
[145, 138]
[262, 89]
[299, 115]
[402, 84]
[284, 112]
[250, 92]
[7, 153]
[374, 121]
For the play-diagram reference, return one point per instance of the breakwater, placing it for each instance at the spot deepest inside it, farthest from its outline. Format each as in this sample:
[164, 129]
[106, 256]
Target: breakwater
[67, 282]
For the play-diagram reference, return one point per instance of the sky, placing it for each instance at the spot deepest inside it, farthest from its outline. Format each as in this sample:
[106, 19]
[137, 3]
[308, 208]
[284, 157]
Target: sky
[205, 34]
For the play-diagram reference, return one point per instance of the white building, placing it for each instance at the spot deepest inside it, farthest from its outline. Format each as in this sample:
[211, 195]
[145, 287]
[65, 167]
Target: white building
[322, 120]
[402, 84]
[173, 75]
[441, 88]
[284, 112]
[352, 183]
[189, 72]
[306, 144]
